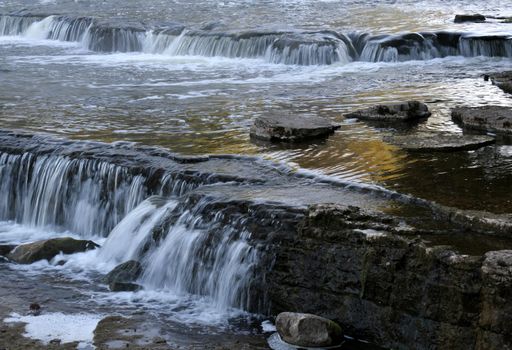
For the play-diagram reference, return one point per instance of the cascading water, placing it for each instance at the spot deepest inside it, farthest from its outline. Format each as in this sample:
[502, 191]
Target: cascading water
[208, 257]
[87, 197]
[306, 48]
[204, 257]
[188, 244]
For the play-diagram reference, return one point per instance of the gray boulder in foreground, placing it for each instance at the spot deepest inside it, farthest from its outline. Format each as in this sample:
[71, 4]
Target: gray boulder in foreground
[291, 128]
[403, 111]
[440, 142]
[48, 249]
[308, 330]
[488, 118]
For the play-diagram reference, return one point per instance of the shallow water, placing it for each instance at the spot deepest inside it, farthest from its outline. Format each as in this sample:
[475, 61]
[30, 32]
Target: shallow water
[199, 104]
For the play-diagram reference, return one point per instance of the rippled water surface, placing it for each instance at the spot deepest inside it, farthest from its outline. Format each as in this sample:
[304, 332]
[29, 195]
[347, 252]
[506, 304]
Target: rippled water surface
[197, 104]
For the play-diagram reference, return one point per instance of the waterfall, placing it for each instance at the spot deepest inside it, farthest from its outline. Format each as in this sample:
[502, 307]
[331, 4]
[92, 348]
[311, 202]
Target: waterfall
[491, 46]
[16, 25]
[129, 238]
[293, 48]
[184, 249]
[274, 47]
[85, 196]
[426, 46]
[205, 257]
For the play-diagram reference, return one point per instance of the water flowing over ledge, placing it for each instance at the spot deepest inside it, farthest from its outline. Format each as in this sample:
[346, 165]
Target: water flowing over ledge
[232, 229]
[279, 47]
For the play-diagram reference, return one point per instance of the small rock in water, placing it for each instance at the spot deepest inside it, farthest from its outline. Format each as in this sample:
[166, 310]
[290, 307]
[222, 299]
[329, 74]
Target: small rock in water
[308, 330]
[126, 272]
[404, 111]
[159, 340]
[469, 18]
[48, 249]
[291, 128]
[496, 119]
[35, 309]
[55, 341]
[124, 287]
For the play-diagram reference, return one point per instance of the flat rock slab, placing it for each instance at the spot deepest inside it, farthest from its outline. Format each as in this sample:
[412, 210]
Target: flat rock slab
[502, 80]
[489, 118]
[469, 18]
[403, 111]
[440, 142]
[291, 128]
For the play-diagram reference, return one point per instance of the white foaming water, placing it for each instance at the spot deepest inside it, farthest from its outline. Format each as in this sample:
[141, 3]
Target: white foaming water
[40, 30]
[67, 328]
[13, 233]
[129, 237]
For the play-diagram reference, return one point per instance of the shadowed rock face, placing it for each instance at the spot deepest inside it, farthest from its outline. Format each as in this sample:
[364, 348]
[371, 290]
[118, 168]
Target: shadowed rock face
[440, 142]
[390, 290]
[291, 128]
[48, 249]
[404, 111]
[489, 118]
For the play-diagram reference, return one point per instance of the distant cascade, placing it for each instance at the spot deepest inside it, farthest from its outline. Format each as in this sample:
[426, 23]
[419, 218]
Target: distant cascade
[426, 46]
[293, 48]
[16, 25]
[283, 48]
[491, 46]
[85, 196]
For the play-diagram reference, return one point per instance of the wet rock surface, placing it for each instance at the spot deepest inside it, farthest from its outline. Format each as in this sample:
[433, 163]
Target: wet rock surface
[404, 111]
[124, 287]
[389, 289]
[441, 142]
[308, 330]
[126, 272]
[469, 18]
[291, 128]
[48, 249]
[494, 119]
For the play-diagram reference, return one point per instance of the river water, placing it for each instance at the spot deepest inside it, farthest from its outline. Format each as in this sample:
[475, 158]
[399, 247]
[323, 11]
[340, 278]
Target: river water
[191, 76]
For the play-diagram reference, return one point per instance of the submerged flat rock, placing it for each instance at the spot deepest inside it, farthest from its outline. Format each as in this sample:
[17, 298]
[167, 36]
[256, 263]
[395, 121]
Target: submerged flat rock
[291, 128]
[441, 142]
[488, 118]
[502, 80]
[402, 111]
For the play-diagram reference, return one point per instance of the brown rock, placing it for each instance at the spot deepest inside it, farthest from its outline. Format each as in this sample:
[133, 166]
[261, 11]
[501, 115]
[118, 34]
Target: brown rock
[48, 249]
